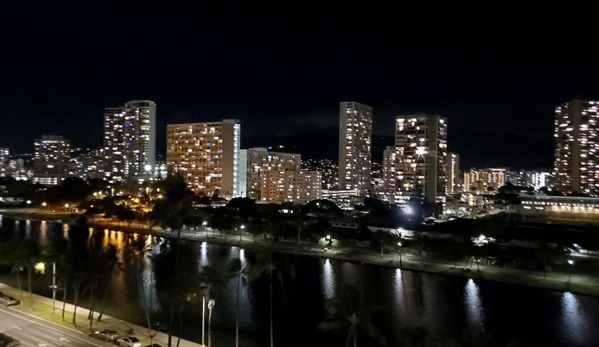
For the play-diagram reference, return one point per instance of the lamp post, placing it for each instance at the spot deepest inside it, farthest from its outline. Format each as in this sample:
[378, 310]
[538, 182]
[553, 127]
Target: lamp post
[203, 318]
[41, 267]
[399, 251]
[241, 230]
[570, 262]
[210, 306]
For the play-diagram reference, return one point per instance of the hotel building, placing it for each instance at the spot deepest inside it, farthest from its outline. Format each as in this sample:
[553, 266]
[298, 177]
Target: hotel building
[130, 141]
[51, 160]
[576, 166]
[277, 177]
[4, 159]
[355, 137]
[206, 155]
[389, 160]
[453, 173]
[479, 181]
[421, 157]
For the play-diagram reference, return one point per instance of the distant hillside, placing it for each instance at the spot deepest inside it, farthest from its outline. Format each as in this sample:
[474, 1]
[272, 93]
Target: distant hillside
[321, 144]
[476, 149]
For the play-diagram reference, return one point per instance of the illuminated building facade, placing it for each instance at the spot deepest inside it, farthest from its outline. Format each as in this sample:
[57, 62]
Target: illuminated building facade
[130, 141]
[562, 207]
[328, 169]
[576, 166]
[4, 159]
[298, 187]
[453, 173]
[421, 157]
[260, 161]
[530, 178]
[484, 180]
[51, 160]
[277, 177]
[389, 160]
[87, 163]
[355, 137]
[207, 155]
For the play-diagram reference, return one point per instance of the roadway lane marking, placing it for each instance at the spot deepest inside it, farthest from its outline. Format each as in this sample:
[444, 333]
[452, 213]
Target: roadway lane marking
[17, 327]
[64, 339]
[56, 343]
[47, 327]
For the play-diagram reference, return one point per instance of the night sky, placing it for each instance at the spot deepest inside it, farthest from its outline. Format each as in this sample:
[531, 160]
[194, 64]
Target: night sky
[282, 67]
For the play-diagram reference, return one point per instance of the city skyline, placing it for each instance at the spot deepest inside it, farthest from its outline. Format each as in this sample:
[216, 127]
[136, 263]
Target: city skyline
[282, 70]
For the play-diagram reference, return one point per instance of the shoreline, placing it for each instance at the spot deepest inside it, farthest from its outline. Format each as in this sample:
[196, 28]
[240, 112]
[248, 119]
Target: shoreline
[554, 281]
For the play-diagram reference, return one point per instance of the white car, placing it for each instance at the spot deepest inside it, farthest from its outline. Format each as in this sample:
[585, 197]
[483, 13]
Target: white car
[130, 341]
[106, 335]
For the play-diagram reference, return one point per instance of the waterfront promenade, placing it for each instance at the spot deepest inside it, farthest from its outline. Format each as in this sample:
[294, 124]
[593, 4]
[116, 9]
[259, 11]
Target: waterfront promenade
[558, 281]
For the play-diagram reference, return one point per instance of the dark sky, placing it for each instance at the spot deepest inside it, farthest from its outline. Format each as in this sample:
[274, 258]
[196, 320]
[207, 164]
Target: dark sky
[282, 67]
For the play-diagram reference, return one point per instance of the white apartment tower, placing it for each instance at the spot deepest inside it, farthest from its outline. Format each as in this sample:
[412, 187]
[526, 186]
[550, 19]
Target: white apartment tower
[4, 159]
[130, 140]
[421, 154]
[207, 156]
[51, 162]
[453, 173]
[576, 165]
[389, 160]
[355, 136]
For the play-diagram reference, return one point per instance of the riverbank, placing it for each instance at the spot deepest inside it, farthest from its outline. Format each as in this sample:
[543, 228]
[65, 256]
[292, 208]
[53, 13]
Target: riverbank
[557, 281]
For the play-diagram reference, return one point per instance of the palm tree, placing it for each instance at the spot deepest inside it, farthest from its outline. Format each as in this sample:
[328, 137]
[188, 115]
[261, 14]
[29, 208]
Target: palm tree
[346, 310]
[237, 270]
[174, 208]
[267, 265]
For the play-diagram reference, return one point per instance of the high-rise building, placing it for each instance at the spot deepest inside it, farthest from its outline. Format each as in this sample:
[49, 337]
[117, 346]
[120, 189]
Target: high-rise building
[484, 180]
[130, 141]
[530, 178]
[389, 160]
[421, 154]
[355, 138]
[277, 177]
[4, 159]
[453, 173]
[260, 161]
[207, 156]
[52, 157]
[576, 166]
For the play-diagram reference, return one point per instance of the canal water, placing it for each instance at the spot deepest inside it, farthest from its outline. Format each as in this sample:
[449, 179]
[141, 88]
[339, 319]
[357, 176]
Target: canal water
[407, 306]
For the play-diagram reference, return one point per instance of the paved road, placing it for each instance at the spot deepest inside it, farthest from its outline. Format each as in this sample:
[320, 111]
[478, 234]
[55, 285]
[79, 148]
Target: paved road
[34, 332]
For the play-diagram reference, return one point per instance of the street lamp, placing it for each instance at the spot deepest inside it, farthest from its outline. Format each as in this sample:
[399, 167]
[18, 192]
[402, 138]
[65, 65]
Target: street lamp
[570, 262]
[241, 230]
[210, 306]
[41, 267]
[399, 251]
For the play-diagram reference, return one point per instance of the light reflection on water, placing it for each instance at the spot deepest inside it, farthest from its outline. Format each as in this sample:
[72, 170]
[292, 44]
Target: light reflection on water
[327, 278]
[443, 305]
[399, 293]
[573, 319]
[204, 254]
[474, 309]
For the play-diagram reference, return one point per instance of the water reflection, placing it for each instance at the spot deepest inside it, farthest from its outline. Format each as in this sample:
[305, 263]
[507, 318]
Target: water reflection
[399, 294]
[204, 254]
[327, 278]
[474, 309]
[573, 319]
[28, 229]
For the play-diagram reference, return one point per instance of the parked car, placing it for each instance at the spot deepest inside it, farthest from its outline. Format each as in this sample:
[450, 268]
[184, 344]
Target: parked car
[8, 300]
[106, 335]
[130, 341]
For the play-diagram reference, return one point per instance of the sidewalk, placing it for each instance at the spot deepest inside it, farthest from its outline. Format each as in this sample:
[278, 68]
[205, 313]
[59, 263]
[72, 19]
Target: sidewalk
[41, 307]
